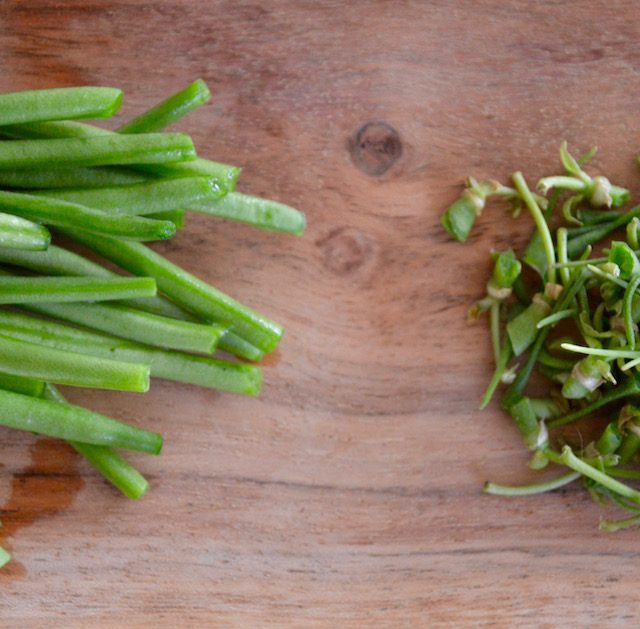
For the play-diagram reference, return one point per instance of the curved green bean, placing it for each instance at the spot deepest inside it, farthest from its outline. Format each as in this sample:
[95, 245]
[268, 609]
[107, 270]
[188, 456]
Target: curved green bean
[19, 233]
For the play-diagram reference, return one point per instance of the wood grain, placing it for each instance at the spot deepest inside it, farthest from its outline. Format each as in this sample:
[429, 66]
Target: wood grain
[349, 493]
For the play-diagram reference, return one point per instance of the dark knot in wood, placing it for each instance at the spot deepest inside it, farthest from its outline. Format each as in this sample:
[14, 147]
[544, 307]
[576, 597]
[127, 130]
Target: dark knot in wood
[375, 147]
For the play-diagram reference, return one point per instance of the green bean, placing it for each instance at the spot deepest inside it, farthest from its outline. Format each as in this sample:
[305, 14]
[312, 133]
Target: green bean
[26, 290]
[59, 104]
[262, 213]
[20, 384]
[136, 325]
[108, 462]
[610, 439]
[170, 110]
[53, 178]
[142, 198]
[64, 214]
[73, 423]
[233, 344]
[170, 365]
[225, 175]
[185, 289]
[58, 261]
[32, 359]
[19, 233]
[151, 148]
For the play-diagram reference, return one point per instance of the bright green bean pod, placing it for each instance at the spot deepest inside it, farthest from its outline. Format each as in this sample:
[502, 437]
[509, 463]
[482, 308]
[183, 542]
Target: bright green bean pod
[26, 290]
[233, 344]
[53, 178]
[58, 261]
[262, 213]
[142, 198]
[107, 461]
[64, 103]
[64, 214]
[136, 325]
[19, 233]
[33, 359]
[170, 110]
[20, 384]
[225, 175]
[177, 217]
[609, 440]
[170, 365]
[99, 150]
[73, 423]
[186, 290]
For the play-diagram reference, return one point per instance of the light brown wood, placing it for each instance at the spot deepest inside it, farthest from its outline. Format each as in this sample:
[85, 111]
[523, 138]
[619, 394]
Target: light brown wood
[349, 493]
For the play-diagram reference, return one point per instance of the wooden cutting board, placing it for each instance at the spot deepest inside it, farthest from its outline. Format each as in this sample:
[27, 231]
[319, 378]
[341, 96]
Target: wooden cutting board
[349, 493]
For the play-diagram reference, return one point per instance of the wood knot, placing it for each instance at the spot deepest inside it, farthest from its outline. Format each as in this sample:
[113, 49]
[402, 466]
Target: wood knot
[344, 250]
[375, 147]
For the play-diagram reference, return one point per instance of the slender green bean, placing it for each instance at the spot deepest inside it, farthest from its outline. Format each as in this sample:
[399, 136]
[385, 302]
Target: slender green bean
[65, 214]
[170, 110]
[136, 325]
[225, 175]
[185, 289]
[19, 233]
[73, 423]
[64, 103]
[26, 290]
[170, 365]
[53, 178]
[33, 359]
[151, 148]
[58, 261]
[142, 198]
[262, 213]
[20, 384]
[108, 462]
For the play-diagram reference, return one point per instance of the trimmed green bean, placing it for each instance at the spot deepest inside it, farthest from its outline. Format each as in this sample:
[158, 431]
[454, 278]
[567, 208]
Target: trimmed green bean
[233, 344]
[20, 384]
[65, 214]
[100, 150]
[19, 233]
[136, 325]
[225, 175]
[26, 290]
[186, 290]
[107, 461]
[73, 423]
[170, 110]
[53, 178]
[58, 261]
[63, 103]
[262, 213]
[170, 365]
[142, 198]
[33, 359]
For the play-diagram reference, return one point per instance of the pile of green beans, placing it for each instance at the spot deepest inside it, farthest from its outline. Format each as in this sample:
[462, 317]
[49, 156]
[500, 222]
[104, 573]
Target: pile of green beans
[66, 319]
[574, 317]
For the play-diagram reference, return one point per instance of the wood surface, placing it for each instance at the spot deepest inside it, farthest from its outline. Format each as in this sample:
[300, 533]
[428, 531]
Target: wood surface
[349, 493]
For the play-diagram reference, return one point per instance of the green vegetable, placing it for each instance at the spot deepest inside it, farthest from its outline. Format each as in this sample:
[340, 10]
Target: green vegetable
[102, 150]
[170, 365]
[186, 290]
[73, 423]
[59, 104]
[19, 233]
[35, 360]
[170, 110]
[26, 290]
